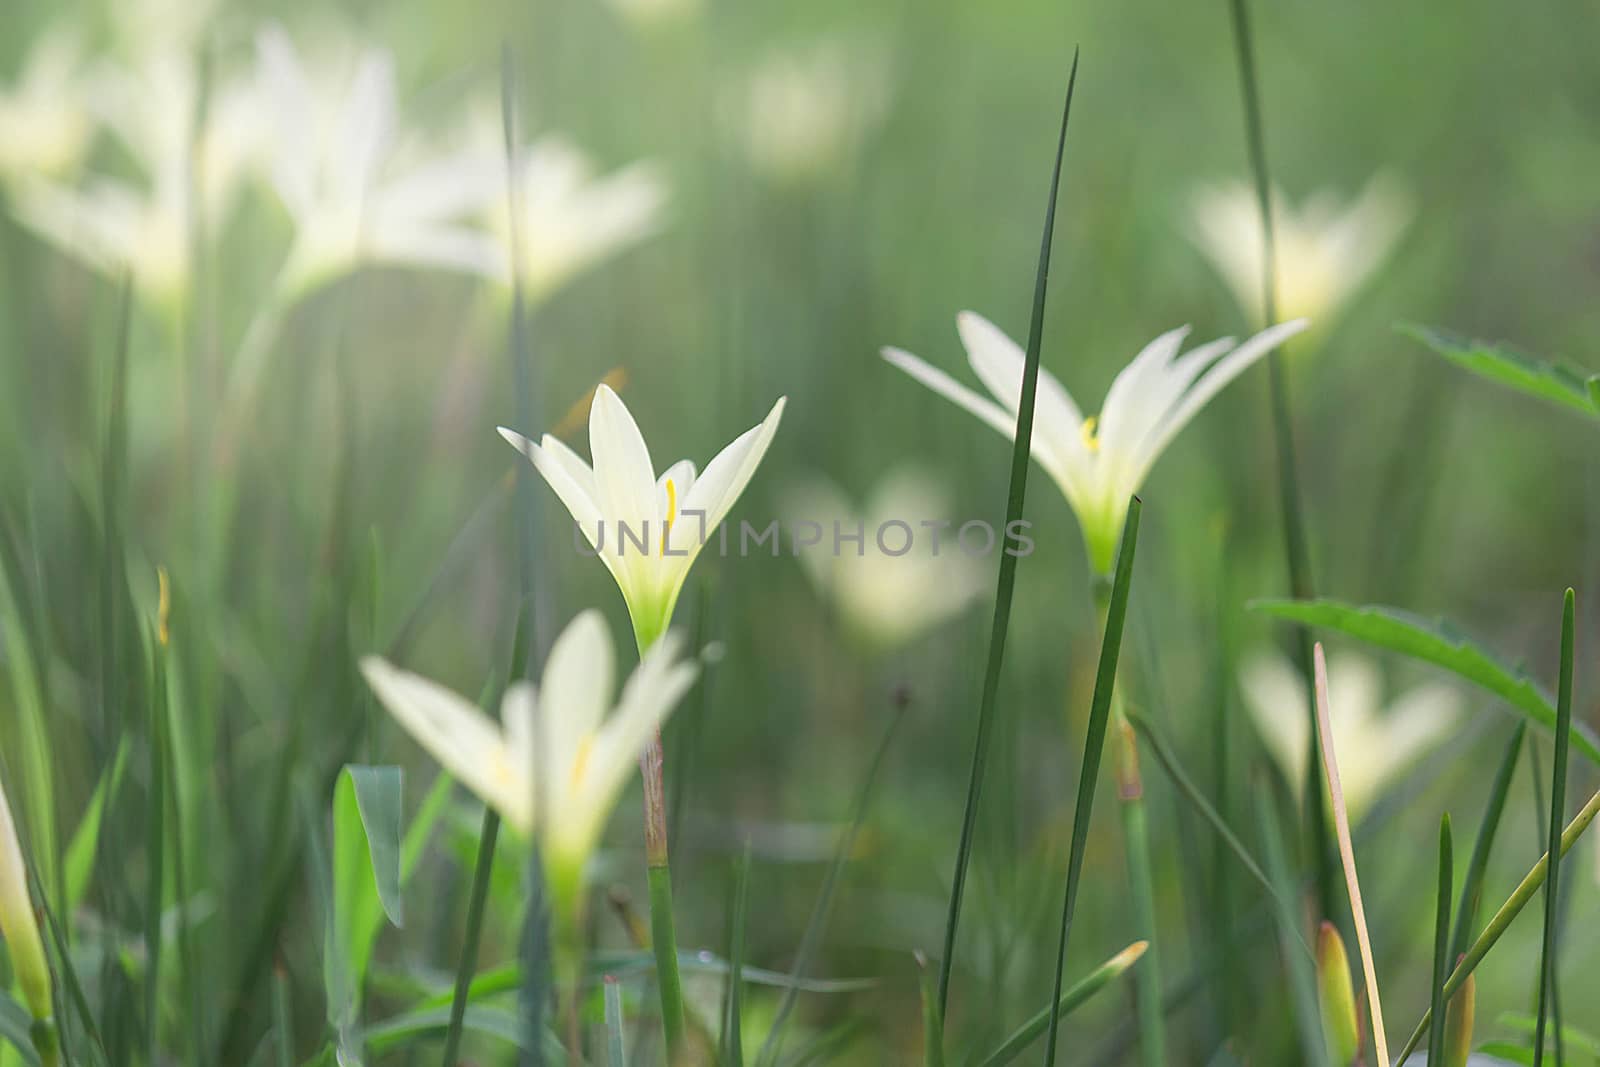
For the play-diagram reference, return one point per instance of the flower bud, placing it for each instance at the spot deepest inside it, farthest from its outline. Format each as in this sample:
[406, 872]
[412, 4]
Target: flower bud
[1337, 998]
[17, 922]
[1458, 1025]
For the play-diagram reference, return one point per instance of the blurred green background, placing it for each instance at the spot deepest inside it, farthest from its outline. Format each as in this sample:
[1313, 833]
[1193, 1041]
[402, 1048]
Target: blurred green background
[366, 507]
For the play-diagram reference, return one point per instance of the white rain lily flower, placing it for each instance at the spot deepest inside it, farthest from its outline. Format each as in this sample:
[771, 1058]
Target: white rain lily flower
[1098, 462]
[569, 217]
[557, 760]
[114, 225]
[647, 530]
[1375, 744]
[18, 925]
[1323, 251]
[333, 168]
[802, 114]
[45, 128]
[887, 599]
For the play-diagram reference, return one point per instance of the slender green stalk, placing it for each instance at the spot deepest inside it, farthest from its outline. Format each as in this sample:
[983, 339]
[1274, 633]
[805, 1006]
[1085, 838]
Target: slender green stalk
[1169, 762]
[1472, 887]
[1558, 796]
[1296, 551]
[730, 1049]
[468, 963]
[1302, 979]
[1081, 990]
[1005, 584]
[664, 941]
[156, 858]
[1141, 884]
[1502, 918]
[282, 1017]
[616, 1052]
[932, 1019]
[1116, 615]
[1441, 943]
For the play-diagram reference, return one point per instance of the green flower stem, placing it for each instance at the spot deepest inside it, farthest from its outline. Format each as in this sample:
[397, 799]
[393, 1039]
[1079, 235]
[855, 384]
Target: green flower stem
[1136, 847]
[487, 837]
[663, 931]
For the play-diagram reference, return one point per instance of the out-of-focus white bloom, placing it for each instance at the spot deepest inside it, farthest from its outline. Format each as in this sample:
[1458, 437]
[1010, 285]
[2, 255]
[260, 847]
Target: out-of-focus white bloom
[17, 922]
[887, 599]
[560, 755]
[1098, 462]
[190, 177]
[1323, 251]
[153, 27]
[802, 114]
[1375, 744]
[648, 14]
[647, 531]
[333, 167]
[568, 217]
[45, 127]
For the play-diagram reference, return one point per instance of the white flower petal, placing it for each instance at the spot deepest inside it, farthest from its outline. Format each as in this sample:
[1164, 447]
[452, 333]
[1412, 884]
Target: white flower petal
[576, 692]
[717, 489]
[623, 474]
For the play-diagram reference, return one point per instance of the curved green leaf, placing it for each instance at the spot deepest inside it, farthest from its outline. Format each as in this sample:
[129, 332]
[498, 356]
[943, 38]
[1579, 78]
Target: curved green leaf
[15, 1024]
[1437, 643]
[1505, 366]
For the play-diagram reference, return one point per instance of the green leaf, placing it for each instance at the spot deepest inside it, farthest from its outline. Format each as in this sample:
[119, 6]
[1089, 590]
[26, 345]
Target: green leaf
[84, 846]
[1505, 366]
[1436, 643]
[1079, 992]
[366, 863]
[403, 1030]
[15, 1023]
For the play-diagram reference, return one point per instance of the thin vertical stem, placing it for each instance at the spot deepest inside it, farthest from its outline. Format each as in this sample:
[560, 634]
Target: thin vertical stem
[469, 951]
[1558, 796]
[1005, 583]
[1294, 534]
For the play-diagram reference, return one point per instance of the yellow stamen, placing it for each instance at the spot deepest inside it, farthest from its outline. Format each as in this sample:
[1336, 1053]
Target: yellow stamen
[672, 510]
[580, 761]
[1090, 440]
[163, 604]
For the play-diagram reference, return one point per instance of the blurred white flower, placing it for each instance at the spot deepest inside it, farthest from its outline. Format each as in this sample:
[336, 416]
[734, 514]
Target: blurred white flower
[1098, 462]
[333, 166]
[560, 755]
[18, 924]
[647, 14]
[647, 531]
[887, 600]
[1375, 744]
[1323, 251]
[568, 217]
[45, 126]
[802, 114]
[189, 177]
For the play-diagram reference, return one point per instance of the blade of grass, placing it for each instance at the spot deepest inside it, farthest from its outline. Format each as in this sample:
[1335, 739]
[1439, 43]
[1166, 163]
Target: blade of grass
[1347, 856]
[1502, 918]
[932, 1021]
[155, 840]
[1558, 795]
[1472, 886]
[1441, 943]
[616, 1053]
[1080, 991]
[282, 1016]
[1006, 582]
[730, 1047]
[487, 837]
[1169, 762]
[1094, 747]
[1296, 551]
[811, 939]
[1300, 968]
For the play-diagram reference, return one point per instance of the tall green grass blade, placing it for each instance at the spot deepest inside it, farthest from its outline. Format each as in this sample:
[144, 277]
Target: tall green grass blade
[932, 1019]
[1435, 643]
[1169, 763]
[487, 837]
[85, 842]
[1094, 747]
[811, 939]
[282, 1017]
[1297, 553]
[1472, 886]
[155, 856]
[1505, 366]
[1070, 999]
[730, 1045]
[1301, 970]
[366, 881]
[1502, 918]
[24, 663]
[15, 1029]
[1548, 970]
[1006, 582]
[1441, 943]
[71, 983]
[616, 1051]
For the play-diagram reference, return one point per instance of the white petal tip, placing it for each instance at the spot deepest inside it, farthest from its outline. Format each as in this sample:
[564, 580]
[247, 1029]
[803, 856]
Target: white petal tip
[513, 438]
